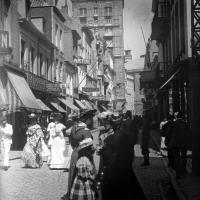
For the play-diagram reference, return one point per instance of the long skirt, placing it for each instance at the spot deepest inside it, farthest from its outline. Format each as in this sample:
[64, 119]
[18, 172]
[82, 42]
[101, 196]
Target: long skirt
[30, 157]
[58, 154]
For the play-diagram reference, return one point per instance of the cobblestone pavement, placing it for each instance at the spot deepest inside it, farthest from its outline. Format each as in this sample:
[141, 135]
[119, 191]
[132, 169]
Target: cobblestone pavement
[19, 183]
[154, 179]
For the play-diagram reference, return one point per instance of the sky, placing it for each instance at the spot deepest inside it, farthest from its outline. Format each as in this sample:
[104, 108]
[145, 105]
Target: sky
[137, 14]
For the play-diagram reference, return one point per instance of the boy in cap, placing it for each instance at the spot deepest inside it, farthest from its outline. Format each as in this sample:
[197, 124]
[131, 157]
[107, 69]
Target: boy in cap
[6, 132]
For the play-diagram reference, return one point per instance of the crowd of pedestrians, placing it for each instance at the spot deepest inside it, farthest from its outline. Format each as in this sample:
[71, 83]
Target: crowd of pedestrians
[70, 146]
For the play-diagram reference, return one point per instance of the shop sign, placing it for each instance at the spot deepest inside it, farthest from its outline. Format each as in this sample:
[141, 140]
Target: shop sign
[87, 89]
[82, 61]
[4, 41]
[99, 98]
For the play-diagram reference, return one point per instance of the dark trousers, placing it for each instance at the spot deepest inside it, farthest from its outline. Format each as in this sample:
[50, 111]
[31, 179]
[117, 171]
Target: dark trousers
[179, 160]
[170, 158]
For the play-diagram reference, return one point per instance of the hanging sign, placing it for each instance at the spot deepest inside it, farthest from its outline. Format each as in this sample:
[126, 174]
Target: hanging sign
[87, 89]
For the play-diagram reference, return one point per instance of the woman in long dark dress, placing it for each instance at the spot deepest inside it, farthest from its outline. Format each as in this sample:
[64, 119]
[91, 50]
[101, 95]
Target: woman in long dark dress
[123, 183]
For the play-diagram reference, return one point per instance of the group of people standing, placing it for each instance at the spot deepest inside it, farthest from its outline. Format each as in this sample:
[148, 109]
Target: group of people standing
[175, 134]
[115, 177]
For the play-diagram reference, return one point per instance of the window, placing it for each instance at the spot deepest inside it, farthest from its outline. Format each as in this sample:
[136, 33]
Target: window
[22, 52]
[108, 30]
[41, 69]
[61, 72]
[57, 71]
[108, 20]
[49, 69]
[83, 12]
[83, 21]
[95, 11]
[60, 43]
[108, 11]
[56, 35]
[31, 61]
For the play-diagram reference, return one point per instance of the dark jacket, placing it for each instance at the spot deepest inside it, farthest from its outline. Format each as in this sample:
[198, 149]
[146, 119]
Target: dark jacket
[79, 133]
[177, 135]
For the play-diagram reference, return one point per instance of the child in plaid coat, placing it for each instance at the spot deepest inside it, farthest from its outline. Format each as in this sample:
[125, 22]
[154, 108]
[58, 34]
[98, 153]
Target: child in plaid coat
[84, 185]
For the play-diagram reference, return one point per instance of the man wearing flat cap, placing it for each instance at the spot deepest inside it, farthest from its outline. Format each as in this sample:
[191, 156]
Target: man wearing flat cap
[6, 132]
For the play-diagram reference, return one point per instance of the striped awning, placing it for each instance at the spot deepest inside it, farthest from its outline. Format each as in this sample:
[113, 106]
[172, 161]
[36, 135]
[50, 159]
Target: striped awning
[43, 106]
[8, 95]
[69, 104]
[23, 91]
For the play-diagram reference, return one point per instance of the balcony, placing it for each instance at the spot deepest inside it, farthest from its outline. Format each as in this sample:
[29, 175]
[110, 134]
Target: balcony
[108, 34]
[161, 21]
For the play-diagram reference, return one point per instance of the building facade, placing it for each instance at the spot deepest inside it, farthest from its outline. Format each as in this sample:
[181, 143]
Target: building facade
[105, 19]
[172, 28]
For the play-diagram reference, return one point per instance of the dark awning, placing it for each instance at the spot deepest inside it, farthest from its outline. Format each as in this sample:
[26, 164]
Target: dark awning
[87, 104]
[69, 104]
[23, 91]
[170, 79]
[57, 107]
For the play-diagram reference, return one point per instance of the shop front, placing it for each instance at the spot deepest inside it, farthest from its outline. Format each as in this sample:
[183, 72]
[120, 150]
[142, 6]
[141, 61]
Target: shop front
[20, 100]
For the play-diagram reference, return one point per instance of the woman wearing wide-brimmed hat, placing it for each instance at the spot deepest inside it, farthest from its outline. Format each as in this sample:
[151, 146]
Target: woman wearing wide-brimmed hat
[32, 151]
[58, 147]
[84, 185]
[79, 132]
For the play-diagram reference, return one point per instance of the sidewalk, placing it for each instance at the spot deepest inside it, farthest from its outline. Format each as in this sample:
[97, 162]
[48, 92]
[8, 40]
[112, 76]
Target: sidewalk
[188, 187]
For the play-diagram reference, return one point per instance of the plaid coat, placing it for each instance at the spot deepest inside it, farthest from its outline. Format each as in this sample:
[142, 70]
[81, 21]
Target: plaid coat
[83, 187]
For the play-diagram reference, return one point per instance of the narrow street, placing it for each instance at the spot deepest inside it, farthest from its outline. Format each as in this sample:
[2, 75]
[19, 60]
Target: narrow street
[19, 183]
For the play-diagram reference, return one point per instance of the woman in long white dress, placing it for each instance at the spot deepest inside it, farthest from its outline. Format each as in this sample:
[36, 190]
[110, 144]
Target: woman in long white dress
[58, 146]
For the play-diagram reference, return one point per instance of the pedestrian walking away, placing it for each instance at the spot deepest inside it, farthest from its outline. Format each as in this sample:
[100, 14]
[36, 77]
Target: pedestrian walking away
[6, 132]
[146, 125]
[123, 183]
[177, 143]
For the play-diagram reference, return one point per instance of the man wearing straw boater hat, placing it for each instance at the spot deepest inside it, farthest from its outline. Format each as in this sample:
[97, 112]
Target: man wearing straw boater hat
[6, 132]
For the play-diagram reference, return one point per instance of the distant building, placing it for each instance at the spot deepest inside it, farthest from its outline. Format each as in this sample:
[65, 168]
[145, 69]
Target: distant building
[105, 19]
[134, 69]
